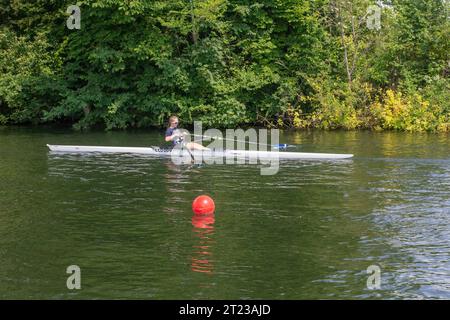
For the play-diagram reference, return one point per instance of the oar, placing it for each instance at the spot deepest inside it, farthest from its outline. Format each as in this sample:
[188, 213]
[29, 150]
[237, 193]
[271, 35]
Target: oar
[189, 151]
[283, 146]
[275, 146]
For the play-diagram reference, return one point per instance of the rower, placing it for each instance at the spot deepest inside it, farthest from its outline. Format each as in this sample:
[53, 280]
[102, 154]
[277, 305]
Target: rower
[177, 137]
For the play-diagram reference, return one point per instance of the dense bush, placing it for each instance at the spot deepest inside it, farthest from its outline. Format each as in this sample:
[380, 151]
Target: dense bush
[283, 63]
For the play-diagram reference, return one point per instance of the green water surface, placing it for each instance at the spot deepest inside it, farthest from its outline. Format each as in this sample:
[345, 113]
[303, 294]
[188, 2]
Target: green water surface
[308, 232]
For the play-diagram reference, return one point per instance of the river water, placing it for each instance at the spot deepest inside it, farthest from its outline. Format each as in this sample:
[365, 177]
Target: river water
[309, 232]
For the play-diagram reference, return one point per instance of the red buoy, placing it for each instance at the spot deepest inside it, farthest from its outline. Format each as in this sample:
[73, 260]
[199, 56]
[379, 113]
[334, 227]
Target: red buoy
[203, 205]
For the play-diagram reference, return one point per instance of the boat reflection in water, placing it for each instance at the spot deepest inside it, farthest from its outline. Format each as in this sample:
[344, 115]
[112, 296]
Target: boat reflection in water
[203, 230]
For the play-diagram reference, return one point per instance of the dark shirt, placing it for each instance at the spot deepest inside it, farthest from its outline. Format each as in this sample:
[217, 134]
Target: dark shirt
[169, 132]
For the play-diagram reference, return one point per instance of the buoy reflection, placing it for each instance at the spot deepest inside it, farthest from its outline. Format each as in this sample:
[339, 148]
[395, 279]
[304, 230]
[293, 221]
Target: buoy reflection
[204, 231]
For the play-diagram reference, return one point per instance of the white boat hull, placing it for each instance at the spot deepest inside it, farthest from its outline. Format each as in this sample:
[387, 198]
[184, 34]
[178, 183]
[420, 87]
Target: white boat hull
[178, 152]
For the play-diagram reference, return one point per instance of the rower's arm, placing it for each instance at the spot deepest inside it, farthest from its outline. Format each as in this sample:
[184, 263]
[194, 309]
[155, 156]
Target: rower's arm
[170, 138]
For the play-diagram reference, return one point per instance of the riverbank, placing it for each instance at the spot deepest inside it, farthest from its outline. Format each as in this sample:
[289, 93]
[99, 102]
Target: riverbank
[300, 64]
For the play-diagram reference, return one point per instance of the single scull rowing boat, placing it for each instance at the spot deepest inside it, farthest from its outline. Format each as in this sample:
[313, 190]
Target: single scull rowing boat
[182, 152]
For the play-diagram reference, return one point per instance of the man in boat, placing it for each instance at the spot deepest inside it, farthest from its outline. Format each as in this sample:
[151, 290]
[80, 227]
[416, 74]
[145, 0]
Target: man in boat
[177, 137]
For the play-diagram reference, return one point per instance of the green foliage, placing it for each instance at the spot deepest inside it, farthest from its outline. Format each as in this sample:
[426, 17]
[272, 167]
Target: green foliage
[288, 63]
[421, 30]
[27, 78]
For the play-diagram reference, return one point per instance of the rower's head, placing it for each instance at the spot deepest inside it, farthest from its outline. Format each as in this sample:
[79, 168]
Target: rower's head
[173, 121]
